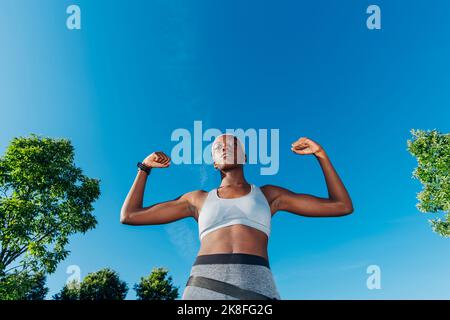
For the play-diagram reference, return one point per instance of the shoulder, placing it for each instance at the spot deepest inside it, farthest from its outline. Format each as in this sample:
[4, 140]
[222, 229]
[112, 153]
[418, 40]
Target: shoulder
[196, 199]
[274, 195]
[195, 195]
[271, 191]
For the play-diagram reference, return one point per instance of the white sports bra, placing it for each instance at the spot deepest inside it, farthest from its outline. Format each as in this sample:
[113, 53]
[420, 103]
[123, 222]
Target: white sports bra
[251, 210]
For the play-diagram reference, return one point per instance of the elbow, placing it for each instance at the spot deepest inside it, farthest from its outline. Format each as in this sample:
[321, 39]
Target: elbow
[123, 220]
[347, 210]
[124, 217]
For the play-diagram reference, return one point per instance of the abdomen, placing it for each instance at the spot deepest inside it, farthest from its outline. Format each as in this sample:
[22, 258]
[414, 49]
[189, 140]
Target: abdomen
[235, 239]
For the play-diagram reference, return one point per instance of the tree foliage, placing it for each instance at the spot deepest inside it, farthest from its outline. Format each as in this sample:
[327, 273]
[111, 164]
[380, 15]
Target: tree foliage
[37, 290]
[44, 198]
[70, 291]
[103, 285]
[432, 151]
[22, 286]
[156, 286]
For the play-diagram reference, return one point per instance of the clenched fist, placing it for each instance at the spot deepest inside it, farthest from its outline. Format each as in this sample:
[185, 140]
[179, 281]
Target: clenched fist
[157, 160]
[306, 146]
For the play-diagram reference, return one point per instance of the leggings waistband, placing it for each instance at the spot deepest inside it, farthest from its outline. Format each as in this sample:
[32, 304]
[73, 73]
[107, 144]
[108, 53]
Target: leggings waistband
[234, 258]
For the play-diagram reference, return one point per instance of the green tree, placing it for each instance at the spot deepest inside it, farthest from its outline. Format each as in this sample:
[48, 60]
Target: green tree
[70, 291]
[44, 198]
[103, 285]
[432, 151]
[37, 290]
[156, 286]
[22, 286]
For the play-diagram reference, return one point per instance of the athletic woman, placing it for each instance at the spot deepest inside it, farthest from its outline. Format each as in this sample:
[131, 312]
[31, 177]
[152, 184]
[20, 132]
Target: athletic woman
[234, 219]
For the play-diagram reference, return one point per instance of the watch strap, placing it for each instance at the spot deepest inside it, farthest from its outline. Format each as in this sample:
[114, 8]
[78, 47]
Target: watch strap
[143, 167]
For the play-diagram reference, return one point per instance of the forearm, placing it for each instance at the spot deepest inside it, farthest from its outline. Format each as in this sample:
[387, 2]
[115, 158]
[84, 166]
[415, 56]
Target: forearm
[336, 189]
[135, 197]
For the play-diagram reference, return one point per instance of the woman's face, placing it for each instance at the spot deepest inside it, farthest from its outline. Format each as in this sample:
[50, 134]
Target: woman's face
[226, 150]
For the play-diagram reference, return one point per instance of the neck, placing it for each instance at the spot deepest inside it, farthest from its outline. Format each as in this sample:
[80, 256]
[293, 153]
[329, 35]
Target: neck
[233, 177]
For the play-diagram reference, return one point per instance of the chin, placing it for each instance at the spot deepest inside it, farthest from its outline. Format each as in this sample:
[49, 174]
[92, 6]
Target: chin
[228, 166]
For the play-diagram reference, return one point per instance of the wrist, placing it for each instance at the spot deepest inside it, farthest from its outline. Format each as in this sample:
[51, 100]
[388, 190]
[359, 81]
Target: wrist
[141, 173]
[143, 167]
[320, 154]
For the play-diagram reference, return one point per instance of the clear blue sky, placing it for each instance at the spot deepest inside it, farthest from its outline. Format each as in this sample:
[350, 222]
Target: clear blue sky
[137, 70]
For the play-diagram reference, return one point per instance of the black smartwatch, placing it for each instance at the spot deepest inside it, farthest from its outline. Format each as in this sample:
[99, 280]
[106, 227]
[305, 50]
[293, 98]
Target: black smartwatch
[143, 167]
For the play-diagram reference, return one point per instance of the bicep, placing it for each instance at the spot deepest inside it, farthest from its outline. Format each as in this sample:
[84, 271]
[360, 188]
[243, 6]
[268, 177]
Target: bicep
[306, 204]
[161, 213]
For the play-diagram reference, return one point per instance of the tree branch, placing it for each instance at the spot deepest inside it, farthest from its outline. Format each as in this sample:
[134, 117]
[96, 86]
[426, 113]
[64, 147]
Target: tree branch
[23, 249]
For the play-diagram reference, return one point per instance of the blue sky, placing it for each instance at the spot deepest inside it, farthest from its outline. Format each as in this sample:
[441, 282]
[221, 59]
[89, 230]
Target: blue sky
[138, 70]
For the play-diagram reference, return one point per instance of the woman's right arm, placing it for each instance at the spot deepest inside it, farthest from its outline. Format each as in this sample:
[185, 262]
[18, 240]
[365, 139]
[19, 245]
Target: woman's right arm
[133, 212]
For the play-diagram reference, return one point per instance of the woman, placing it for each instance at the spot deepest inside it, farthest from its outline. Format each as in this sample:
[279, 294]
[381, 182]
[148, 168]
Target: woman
[234, 219]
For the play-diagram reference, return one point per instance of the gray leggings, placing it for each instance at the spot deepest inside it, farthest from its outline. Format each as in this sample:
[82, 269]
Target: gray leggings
[246, 271]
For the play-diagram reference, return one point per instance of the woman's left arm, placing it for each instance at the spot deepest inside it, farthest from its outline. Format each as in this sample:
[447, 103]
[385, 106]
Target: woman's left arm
[338, 202]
